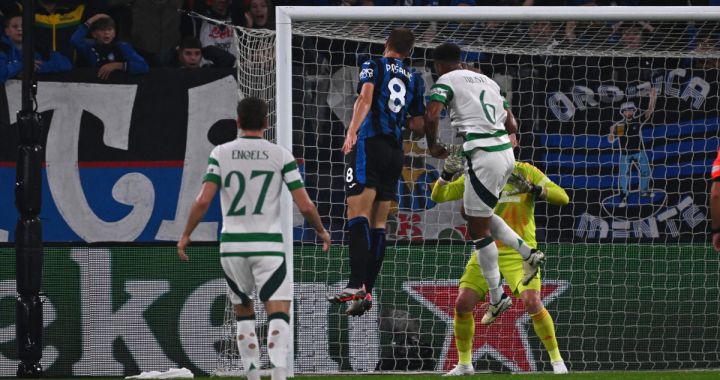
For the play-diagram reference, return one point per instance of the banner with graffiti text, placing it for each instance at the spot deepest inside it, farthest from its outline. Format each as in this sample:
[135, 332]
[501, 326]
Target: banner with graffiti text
[123, 161]
[115, 310]
[655, 190]
[566, 108]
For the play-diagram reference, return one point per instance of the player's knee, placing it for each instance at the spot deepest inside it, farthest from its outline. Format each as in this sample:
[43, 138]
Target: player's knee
[464, 303]
[244, 310]
[532, 302]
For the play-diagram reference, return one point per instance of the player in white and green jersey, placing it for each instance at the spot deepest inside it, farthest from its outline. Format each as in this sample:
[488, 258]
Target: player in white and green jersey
[251, 171]
[481, 115]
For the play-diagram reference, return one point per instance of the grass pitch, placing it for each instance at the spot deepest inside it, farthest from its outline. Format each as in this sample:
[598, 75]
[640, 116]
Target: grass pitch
[624, 375]
[656, 375]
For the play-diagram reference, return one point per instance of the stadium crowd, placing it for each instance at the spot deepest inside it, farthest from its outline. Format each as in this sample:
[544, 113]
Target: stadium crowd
[162, 32]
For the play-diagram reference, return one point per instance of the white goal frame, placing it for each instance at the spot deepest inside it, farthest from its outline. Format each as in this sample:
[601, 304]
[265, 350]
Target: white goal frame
[286, 15]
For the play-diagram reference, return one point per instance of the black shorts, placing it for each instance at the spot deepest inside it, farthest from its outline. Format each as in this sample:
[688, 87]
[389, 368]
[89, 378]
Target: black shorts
[376, 162]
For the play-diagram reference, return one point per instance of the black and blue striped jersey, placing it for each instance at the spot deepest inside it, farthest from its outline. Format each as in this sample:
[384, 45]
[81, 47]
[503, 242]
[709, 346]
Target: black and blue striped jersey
[398, 93]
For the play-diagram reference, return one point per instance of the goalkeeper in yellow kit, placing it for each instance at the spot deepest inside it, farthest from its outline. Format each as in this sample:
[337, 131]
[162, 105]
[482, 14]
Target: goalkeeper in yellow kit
[516, 206]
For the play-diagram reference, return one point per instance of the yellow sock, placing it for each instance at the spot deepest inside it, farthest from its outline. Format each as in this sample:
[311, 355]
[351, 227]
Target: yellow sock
[464, 324]
[545, 330]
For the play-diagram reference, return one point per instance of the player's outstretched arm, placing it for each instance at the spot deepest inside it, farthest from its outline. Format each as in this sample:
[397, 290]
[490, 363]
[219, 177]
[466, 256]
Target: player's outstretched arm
[360, 110]
[197, 211]
[445, 189]
[539, 184]
[448, 191]
[553, 193]
[556, 195]
[308, 210]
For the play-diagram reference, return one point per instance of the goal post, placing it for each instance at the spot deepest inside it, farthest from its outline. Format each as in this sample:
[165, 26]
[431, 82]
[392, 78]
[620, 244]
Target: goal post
[596, 255]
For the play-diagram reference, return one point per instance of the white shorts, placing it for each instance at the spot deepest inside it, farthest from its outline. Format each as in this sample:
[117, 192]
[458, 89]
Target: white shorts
[266, 274]
[486, 173]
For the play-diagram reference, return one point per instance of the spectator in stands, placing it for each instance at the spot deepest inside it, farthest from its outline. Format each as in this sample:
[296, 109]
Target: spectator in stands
[11, 53]
[634, 36]
[103, 51]
[155, 29]
[192, 55]
[214, 34]
[707, 44]
[260, 15]
[55, 21]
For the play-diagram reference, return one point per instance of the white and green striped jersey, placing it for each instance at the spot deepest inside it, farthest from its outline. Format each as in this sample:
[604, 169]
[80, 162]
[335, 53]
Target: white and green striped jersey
[251, 173]
[477, 109]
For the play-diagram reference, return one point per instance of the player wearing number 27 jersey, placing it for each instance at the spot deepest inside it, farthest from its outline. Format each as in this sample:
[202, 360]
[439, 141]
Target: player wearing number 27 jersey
[390, 95]
[250, 173]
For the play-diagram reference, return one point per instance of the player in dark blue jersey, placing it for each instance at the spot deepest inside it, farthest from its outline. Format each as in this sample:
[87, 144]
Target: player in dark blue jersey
[390, 96]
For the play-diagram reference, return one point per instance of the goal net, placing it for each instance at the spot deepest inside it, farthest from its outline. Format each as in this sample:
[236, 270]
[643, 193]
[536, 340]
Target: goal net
[631, 281]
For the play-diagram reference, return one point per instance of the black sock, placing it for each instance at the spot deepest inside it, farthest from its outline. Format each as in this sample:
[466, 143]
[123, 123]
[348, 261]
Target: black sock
[377, 255]
[359, 244]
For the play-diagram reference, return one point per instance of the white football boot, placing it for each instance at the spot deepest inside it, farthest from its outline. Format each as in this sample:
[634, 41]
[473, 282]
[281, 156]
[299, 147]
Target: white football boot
[559, 368]
[461, 370]
[531, 265]
[494, 311]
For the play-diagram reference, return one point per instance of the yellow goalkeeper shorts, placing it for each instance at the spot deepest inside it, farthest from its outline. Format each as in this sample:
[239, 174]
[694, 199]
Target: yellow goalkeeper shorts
[511, 269]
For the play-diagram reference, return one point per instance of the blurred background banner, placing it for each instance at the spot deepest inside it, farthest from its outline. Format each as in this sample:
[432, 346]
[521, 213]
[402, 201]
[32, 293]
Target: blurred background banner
[124, 160]
[114, 309]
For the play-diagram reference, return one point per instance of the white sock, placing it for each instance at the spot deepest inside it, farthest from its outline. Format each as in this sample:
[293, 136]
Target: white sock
[278, 339]
[249, 347]
[487, 257]
[501, 231]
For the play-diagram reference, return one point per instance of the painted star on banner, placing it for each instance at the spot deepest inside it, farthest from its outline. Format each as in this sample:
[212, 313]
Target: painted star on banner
[506, 340]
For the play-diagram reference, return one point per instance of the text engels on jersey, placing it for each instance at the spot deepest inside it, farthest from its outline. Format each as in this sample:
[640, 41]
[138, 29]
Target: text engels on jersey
[250, 154]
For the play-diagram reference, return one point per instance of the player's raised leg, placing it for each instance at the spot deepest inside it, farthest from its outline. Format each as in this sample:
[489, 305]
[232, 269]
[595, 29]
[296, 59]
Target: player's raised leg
[358, 230]
[487, 173]
[532, 257]
[378, 219]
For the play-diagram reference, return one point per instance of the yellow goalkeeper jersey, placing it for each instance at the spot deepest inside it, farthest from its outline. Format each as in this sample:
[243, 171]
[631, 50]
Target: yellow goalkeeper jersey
[517, 210]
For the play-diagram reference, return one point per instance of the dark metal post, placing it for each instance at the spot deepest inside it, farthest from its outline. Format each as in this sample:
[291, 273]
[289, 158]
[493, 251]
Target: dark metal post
[28, 233]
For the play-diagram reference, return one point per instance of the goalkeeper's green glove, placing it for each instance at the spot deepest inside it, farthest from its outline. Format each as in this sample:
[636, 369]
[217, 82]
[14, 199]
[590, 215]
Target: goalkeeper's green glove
[453, 163]
[522, 185]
